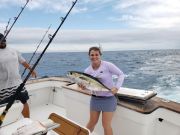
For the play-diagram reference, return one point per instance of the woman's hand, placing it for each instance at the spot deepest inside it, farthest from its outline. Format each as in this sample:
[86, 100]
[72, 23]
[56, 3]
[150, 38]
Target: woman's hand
[81, 86]
[114, 90]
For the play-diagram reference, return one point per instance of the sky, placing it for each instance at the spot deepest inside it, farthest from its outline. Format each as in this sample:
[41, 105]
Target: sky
[113, 24]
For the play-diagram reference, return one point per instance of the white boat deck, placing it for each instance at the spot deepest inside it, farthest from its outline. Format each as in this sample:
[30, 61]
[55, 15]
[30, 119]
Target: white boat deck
[39, 113]
[42, 112]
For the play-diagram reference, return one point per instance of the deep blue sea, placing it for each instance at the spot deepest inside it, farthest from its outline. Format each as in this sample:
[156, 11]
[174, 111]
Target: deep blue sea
[148, 69]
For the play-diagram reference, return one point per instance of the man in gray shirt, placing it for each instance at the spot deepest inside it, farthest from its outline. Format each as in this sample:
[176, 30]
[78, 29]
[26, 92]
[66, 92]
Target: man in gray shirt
[10, 78]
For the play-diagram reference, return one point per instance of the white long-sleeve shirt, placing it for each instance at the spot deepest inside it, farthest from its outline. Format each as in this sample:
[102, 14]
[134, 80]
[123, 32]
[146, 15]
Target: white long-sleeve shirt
[104, 74]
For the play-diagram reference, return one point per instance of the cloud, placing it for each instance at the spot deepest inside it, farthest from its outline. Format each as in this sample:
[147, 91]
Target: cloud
[148, 14]
[154, 24]
[57, 5]
[43, 5]
[9, 3]
[80, 40]
[54, 5]
[133, 13]
[3, 24]
[51, 5]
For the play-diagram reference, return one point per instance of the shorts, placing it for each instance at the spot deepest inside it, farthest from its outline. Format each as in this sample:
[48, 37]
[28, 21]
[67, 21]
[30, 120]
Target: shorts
[7, 94]
[104, 104]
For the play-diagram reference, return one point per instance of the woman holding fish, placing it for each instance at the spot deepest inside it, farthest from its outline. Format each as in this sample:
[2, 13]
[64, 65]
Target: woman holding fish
[103, 101]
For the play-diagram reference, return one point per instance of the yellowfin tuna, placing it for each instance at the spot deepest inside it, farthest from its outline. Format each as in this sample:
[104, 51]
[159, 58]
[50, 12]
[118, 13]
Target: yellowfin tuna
[90, 82]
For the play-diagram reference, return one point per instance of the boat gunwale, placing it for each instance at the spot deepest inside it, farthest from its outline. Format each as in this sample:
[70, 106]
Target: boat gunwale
[146, 108]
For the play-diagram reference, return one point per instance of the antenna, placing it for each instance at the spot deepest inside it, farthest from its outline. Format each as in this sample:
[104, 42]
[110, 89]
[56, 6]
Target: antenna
[100, 47]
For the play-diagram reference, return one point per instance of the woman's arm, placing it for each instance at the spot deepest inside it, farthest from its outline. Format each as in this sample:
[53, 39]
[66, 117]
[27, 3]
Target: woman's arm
[116, 71]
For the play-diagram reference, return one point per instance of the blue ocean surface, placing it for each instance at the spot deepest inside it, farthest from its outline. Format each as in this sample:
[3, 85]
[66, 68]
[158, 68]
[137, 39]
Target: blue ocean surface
[157, 70]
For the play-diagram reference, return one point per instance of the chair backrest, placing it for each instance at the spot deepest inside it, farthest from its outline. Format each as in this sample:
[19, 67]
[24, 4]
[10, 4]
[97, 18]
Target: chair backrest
[68, 127]
[13, 114]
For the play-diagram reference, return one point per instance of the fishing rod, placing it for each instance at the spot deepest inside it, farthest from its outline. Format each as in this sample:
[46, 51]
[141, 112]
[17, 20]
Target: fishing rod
[34, 66]
[15, 19]
[7, 26]
[36, 49]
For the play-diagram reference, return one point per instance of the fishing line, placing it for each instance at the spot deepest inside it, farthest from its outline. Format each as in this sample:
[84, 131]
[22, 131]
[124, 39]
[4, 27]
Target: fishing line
[29, 74]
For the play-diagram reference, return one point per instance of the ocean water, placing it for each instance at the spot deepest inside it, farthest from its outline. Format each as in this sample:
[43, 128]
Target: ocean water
[148, 69]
